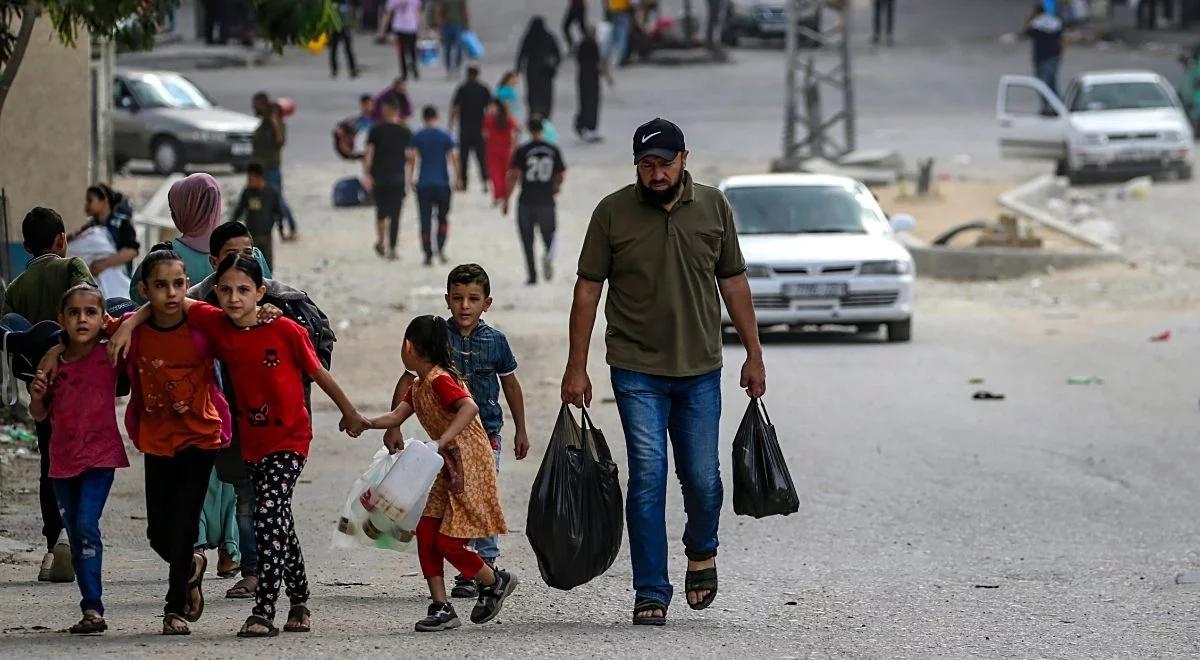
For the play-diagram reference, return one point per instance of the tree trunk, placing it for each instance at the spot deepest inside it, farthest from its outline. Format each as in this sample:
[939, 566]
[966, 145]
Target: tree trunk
[8, 73]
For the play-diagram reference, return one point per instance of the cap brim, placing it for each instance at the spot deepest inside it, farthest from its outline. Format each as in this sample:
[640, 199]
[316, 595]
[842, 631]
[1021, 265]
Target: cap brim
[665, 154]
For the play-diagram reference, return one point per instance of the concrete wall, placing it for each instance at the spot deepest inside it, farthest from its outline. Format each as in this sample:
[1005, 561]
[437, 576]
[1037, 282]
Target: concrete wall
[45, 134]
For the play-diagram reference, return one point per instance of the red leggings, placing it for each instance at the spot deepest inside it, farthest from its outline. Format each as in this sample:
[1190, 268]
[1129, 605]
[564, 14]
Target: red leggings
[433, 547]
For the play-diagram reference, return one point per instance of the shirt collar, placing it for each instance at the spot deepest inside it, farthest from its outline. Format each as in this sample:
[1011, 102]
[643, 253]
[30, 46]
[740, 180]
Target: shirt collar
[453, 328]
[49, 256]
[689, 191]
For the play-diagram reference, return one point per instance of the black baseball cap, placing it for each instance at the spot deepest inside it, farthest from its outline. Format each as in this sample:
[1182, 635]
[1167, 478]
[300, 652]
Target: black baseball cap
[657, 137]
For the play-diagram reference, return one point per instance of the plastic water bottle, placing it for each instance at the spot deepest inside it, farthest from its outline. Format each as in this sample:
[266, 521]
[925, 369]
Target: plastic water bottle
[401, 493]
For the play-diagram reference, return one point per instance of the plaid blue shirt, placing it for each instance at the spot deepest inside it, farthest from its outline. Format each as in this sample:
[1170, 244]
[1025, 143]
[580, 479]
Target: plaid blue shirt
[482, 357]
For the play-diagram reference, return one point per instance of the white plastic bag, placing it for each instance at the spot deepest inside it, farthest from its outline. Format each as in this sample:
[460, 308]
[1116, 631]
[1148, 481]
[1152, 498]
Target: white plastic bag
[361, 527]
[402, 494]
[94, 244]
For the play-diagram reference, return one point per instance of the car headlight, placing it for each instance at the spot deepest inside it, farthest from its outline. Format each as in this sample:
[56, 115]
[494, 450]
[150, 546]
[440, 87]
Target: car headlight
[1171, 136]
[758, 271]
[1095, 139]
[206, 136]
[895, 267]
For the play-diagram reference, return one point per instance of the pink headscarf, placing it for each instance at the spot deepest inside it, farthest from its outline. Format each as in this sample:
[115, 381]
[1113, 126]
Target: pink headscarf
[195, 203]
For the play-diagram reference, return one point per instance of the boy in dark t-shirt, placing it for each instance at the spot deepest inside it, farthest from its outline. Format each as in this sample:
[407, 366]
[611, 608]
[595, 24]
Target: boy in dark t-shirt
[384, 173]
[539, 167]
[260, 208]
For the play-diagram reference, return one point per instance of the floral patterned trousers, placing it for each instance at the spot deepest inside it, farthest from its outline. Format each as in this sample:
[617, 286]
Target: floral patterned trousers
[280, 562]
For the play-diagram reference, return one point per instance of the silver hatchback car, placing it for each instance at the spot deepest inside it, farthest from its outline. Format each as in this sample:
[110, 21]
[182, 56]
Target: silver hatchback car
[163, 117]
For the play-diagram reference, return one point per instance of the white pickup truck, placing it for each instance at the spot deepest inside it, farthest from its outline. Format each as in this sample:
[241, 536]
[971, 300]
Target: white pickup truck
[1109, 123]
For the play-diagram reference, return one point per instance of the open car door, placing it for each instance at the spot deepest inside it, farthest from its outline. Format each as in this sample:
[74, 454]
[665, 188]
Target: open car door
[1032, 120]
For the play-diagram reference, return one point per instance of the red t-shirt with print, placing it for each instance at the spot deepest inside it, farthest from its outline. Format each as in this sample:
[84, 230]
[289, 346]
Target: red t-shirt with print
[267, 364]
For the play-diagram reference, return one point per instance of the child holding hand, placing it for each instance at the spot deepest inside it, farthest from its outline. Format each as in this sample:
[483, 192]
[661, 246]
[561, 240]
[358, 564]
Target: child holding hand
[464, 502]
[267, 363]
[85, 443]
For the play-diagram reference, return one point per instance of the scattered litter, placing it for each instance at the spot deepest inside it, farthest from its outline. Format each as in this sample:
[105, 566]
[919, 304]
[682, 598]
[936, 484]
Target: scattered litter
[1137, 188]
[344, 324]
[19, 629]
[137, 517]
[791, 602]
[608, 399]
[984, 395]
[1165, 335]
[987, 586]
[339, 583]
[1085, 380]
[975, 381]
[1187, 578]
[17, 435]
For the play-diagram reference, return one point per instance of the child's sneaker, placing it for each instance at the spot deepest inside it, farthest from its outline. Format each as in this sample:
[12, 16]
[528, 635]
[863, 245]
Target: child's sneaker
[56, 565]
[463, 588]
[441, 617]
[491, 598]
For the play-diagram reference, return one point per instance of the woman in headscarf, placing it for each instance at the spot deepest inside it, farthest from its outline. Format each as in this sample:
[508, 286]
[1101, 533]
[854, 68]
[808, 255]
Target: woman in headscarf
[195, 203]
[539, 58]
[590, 66]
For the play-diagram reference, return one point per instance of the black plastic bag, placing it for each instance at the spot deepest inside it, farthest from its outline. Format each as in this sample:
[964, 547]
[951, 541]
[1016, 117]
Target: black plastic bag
[575, 510]
[762, 485]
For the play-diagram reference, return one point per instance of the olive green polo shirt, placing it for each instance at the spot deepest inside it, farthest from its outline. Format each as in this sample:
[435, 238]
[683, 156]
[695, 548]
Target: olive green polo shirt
[664, 308]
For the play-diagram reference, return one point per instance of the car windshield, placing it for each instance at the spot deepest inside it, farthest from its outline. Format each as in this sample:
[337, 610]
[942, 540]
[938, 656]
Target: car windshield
[1121, 96]
[828, 209]
[153, 91]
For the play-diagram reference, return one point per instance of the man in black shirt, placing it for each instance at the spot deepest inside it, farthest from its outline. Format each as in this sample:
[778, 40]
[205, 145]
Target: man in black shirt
[539, 167]
[1045, 30]
[470, 102]
[383, 173]
[260, 208]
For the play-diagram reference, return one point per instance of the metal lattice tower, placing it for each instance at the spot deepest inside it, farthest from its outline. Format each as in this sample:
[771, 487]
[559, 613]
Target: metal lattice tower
[819, 117]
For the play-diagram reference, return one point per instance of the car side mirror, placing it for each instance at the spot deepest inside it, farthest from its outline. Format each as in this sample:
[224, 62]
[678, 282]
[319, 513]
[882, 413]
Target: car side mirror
[903, 223]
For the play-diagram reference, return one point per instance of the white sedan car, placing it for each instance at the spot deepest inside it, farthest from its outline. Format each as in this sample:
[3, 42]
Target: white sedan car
[819, 250]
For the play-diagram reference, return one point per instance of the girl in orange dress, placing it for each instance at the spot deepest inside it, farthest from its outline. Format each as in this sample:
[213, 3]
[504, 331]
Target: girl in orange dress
[464, 502]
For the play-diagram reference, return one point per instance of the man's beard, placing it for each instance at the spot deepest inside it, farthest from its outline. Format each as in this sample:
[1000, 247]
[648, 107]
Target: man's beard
[660, 197]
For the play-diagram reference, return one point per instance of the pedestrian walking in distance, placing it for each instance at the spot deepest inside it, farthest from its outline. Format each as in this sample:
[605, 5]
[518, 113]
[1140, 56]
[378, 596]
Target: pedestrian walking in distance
[1045, 31]
[344, 37]
[539, 168]
[575, 16]
[269, 139]
[538, 59]
[464, 502]
[883, 19]
[85, 443]
[589, 66]
[404, 19]
[471, 101]
[501, 133]
[452, 18]
[668, 248]
[384, 168]
[620, 15]
[437, 153]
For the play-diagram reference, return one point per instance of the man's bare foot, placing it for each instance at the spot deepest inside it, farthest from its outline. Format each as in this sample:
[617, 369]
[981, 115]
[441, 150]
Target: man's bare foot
[694, 597]
[226, 566]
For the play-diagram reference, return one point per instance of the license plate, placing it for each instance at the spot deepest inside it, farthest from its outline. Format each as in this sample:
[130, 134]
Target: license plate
[773, 27]
[241, 149]
[815, 290]
[1137, 155]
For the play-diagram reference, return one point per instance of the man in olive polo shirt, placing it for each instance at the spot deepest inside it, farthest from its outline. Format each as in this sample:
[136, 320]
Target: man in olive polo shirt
[669, 250]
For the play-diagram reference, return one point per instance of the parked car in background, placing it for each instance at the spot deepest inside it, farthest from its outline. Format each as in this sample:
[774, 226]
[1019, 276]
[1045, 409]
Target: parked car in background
[767, 19]
[1109, 123]
[819, 250]
[163, 117]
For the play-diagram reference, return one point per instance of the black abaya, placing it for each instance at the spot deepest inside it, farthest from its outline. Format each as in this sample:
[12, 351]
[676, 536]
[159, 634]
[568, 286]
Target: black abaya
[588, 61]
[538, 60]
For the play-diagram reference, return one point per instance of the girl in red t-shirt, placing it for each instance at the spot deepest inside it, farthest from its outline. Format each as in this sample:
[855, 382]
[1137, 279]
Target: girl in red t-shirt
[500, 133]
[464, 502]
[267, 363]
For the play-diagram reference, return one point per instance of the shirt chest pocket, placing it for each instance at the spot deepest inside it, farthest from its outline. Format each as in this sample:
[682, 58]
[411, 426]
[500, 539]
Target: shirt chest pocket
[702, 249]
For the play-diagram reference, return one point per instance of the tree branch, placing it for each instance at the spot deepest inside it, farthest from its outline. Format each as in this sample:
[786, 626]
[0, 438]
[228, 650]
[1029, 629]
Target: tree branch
[8, 73]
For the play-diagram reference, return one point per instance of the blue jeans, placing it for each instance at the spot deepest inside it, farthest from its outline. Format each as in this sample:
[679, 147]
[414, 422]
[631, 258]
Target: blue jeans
[1046, 71]
[618, 39]
[689, 411]
[80, 502]
[488, 547]
[245, 523]
[274, 177]
[452, 47]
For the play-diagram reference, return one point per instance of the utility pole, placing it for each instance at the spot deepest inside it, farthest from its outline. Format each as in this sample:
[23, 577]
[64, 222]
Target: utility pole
[104, 53]
[819, 117]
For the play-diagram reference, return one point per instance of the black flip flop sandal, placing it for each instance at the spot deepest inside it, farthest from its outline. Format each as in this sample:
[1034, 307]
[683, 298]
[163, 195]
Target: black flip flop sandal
[701, 580]
[89, 625]
[649, 605]
[299, 612]
[193, 613]
[169, 629]
[255, 620]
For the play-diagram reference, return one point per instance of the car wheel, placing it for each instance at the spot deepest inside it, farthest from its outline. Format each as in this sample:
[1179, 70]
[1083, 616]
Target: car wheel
[1060, 168]
[899, 331]
[119, 162]
[1184, 173]
[167, 155]
[1076, 178]
[730, 38]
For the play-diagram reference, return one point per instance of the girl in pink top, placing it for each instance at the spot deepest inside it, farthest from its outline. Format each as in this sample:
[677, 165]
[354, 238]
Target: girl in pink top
[85, 444]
